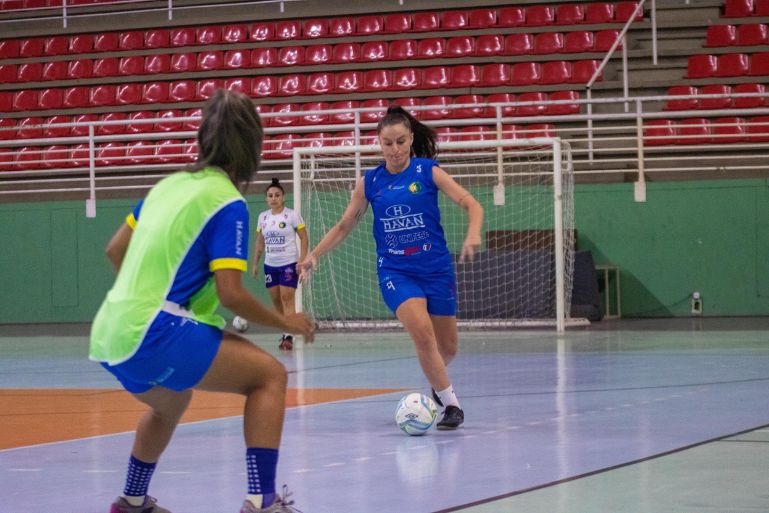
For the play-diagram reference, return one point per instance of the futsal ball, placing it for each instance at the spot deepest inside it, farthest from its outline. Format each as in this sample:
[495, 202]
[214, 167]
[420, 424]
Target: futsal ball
[415, 414]
[240, 324]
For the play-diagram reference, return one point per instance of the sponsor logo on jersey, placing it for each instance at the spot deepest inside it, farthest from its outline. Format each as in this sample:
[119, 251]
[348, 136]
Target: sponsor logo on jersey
[282, 224]
[401, 218]
[415, 187]
[278, 239]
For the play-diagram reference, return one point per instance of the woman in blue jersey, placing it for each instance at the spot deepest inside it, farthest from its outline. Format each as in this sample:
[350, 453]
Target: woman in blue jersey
[181, 253]
[414, 266]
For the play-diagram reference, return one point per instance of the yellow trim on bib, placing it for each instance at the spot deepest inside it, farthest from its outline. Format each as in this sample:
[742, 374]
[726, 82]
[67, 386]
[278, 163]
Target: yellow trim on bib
[228, 263]
[130, 220]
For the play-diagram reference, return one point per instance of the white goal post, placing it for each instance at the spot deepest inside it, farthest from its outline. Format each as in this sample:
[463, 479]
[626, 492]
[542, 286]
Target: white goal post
[521, 277]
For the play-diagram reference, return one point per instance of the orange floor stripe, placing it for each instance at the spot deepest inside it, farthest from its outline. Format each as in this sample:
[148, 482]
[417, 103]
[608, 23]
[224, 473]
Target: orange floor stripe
[35, 416]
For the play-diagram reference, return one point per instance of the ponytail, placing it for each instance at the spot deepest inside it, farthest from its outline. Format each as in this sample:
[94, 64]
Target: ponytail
[424, 144]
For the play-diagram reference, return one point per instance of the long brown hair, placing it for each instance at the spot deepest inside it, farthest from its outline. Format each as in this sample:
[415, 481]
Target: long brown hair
[230, 136]
[424, 144]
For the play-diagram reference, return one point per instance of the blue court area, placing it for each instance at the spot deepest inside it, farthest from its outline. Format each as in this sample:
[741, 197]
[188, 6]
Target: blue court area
[641, 416]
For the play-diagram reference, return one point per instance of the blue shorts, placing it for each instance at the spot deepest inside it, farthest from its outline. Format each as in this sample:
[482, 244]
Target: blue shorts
[440, 290]
[176, 353]
[285, 276]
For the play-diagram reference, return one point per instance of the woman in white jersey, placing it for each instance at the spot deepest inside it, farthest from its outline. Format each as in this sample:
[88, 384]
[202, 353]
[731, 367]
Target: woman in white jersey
[276, 234]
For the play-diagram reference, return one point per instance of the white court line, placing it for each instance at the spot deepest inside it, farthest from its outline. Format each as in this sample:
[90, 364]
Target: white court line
[334, 464]
[97, 471]
[24, 470]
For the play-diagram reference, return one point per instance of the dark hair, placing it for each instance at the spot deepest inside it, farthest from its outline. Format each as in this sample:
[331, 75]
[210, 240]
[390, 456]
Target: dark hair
[424, 144]
[275, 183]
[230, 136]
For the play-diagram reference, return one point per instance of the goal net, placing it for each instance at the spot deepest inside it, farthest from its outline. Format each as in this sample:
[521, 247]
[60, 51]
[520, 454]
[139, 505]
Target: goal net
[522, 275]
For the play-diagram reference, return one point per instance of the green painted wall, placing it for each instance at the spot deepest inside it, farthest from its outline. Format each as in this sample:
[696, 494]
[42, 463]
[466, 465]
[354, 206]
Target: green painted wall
[711, 236]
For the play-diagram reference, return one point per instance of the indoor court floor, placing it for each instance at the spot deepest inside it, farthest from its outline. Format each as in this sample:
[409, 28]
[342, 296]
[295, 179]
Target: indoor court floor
[624, 416]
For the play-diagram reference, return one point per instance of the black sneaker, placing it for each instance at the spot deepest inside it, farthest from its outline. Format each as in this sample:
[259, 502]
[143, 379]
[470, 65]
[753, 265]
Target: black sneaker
[286, 343]
[453, 417]
[436, 398]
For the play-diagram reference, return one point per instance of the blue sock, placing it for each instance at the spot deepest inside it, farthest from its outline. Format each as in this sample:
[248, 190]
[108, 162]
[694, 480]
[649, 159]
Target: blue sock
[262, 464]
[138, 477]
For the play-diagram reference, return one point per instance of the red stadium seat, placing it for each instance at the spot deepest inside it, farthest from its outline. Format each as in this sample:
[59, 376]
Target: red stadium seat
[105, 42]
[190, 150]
[184, 36]
[624, 10]
[264, 86]
[563, 109]
[721, 35]
[25, 100]
[290, 56]
[748, 102]
[315, 140]
[318, 118]
[181, 91]
[107, 67]
[473, 109]
[208, 35]
[137, 125]
[292, 84]
[738, 8]
[372, 51]
[446, 134]
[6, 134]
[659, 132]
[425, 22]
[438, 108]
[732, 65]
[485, 45]
[407, 79]
[526, 73]
[50, 99]
[81, 128]
[157, 38]
[536, 109]
[264, 57]
[547, 43]
[605, 38]
[6, 160]
[109, 128]
[131, 40]
[466, 75]
[463, 46]
[556, 72]
[759, 64]
[348, 82]
[569, 14]
[53, 70]
[80, 43]
[30, 128]
[28, 158]
[346, 138]
[481, 18]
[752, 34]
[29, 72]
[261, 31]
[583, 71]
[701, 66]
[51, 130]
[156, 64]
[183, 62]
[76, 97]
[373, 116]
[236, 59]
[131, 65]
[761, 8]
[56, 45]
[493, 75]
[195, 124]
[346, 52]
[579, 41]
[315, 28]
[285, 117]
[540, 15]
[318, 54]
[32, 47]
[431, 48]
[728, 130]
[139, 153]
[683, 103]
[693, 131]
[205, 89]
[155, 92]
[345, 114]
[320, 83]
[508, 110]
[436, 77]
[56, 156]
[341, 27]
[476, 133]
[9, 72]
[410, 104]
[288, 30]
[238, 84]
[377, 80]
[538, 130]
[169, 151]
[453, 20]
[715, 103]
[234, 34]
[397, 23]
[599, 12]
[519, 44]
[103, 95]
[210, 61]
[758, 129]
[281, 146]
[9, 48]
[511, 17]
[129, 94]
[403, 49]
[369, 24]
[79, 69]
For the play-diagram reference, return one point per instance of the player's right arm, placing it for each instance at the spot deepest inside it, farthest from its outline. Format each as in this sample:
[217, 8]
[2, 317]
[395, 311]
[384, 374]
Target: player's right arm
[118, 244]
[258, 251]
[349, 220]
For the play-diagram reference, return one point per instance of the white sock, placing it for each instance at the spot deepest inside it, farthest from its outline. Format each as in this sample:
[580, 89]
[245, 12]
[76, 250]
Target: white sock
[448, 398]
[134, 500]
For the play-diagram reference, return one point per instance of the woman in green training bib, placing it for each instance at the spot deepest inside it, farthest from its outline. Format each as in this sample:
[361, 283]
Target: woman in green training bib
[180, 253]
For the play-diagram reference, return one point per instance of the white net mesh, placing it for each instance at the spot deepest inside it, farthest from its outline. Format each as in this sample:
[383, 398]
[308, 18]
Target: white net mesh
[511, 282]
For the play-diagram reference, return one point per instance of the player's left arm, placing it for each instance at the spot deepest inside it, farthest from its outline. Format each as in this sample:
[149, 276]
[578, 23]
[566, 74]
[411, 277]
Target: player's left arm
[118, 245]
[304, 242]
[465, 200]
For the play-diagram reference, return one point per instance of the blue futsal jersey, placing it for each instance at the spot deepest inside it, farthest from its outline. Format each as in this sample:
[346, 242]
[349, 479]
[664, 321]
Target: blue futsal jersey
[407, 221]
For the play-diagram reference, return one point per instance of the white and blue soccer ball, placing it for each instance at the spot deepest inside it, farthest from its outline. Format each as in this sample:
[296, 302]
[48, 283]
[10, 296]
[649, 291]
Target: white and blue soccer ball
[415, 414]
[240, 324]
